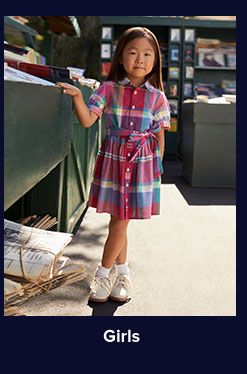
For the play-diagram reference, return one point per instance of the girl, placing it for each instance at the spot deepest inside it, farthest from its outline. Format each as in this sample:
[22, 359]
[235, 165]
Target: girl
[126, 182]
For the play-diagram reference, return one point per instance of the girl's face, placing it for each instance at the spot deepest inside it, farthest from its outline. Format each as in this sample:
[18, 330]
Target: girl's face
[138, 60]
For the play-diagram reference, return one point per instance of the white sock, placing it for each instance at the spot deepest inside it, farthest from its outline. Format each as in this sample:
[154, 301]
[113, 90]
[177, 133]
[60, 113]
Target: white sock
[123, 269]
[102, 272]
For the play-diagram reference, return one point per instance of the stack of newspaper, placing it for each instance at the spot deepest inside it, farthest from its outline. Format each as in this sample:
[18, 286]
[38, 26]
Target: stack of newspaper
[34, 263]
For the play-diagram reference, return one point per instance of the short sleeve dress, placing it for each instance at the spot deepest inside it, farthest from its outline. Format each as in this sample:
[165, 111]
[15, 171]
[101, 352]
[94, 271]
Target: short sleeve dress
[126, 177]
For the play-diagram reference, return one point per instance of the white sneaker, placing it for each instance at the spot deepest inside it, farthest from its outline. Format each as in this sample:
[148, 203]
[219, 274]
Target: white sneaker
[100, 289]
[120, 289]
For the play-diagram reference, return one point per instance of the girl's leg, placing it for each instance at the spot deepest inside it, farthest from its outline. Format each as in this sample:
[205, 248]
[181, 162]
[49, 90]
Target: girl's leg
[122, 257]
[115, 242]
[101, 287]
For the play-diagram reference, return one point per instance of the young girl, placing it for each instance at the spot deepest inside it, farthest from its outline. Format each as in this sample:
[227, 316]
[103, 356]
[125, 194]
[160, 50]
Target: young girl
[126, 181]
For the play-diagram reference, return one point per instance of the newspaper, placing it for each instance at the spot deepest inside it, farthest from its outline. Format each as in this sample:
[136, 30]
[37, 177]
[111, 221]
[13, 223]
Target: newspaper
[16, 292]
[89, 82]
[11, 287]
[12, 74]
[32, 253]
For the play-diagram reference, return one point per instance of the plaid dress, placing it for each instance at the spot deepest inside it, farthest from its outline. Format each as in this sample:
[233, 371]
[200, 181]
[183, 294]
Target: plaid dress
[126, 178]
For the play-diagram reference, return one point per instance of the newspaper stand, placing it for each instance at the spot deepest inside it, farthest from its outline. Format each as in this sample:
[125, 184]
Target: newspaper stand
[64, 192]
[37, 133]
[49, 156]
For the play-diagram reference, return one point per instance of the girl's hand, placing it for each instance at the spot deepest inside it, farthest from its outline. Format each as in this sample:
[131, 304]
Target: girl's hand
[69, 89]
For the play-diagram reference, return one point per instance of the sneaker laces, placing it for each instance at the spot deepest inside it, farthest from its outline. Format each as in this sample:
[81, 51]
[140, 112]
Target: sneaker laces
[123, 280]
[103, 282]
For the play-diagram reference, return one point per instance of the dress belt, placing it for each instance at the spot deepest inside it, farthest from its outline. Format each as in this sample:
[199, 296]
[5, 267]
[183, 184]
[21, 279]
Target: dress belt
[134, 136]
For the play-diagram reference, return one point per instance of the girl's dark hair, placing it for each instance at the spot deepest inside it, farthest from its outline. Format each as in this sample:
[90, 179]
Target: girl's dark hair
[117, 71]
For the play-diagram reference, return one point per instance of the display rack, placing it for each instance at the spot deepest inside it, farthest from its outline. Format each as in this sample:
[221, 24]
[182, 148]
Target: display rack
[106, 50]
[199, 73]
[172, 90]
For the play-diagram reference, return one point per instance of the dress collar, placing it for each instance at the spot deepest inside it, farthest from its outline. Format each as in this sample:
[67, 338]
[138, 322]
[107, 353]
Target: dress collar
[125, 81]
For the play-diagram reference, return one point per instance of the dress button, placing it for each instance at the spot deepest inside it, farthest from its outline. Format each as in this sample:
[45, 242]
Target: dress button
[131, 123]
[135, 92]
[126, 200]
[133, 106]
[127, 184]
[128, 169]
[128, 154]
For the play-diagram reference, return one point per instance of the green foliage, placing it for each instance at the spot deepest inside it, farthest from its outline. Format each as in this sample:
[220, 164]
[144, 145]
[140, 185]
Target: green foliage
[68, 50]
[80, 52]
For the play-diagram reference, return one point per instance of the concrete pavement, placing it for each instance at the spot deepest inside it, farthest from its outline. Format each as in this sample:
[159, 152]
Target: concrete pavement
[183, 262]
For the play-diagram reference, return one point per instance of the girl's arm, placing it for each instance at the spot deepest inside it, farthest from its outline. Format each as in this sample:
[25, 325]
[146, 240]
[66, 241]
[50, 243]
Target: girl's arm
[85, 116]
[161, 137]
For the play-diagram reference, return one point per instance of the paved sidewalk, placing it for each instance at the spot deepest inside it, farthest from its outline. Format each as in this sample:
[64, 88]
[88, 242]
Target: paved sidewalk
[182, 262]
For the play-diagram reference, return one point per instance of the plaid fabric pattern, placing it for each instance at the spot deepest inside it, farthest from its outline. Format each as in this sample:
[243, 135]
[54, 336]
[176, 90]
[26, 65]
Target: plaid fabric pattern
[126, 179]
